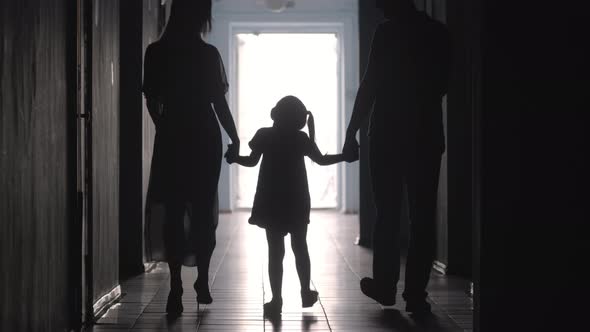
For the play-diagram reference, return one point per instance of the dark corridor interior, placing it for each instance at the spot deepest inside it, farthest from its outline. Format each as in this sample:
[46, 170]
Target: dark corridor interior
[76, 143]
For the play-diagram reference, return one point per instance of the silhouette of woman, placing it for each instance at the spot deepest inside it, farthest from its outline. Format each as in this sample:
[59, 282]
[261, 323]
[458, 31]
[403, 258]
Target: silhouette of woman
[185, 86]
[282, 202]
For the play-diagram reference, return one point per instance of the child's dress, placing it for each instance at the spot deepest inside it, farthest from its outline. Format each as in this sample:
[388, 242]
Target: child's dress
[282, 201]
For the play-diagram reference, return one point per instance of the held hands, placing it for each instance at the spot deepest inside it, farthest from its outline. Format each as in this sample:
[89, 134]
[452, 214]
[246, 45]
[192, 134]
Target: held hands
[232, 153]
[350, 151]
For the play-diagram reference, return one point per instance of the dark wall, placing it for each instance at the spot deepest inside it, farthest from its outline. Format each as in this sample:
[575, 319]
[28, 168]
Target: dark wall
[137, 131]
[460, 105]
[130, 225]
[154, 20]
[34, 164]
[531, 197]
[437, 10]
[105, 146]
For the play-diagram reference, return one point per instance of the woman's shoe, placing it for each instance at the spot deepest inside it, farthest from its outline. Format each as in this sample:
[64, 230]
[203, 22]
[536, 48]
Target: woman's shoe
[308, 298]
[174, 304]
[273, 308]
[203, 294]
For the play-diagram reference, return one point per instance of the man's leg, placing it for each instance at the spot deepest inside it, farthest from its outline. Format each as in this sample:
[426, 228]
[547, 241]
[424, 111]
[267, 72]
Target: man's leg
[423, 190]
[386, 179]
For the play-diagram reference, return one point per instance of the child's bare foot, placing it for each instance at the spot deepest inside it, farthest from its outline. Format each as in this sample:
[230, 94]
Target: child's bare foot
[273, 308]
[308, 298]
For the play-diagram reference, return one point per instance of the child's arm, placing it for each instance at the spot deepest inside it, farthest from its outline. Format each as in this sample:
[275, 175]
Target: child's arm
[252, 160]
[324, 159]
[248, 161]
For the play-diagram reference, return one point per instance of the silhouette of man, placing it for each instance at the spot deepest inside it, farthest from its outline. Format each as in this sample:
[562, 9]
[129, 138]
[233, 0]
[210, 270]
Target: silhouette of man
[404, 82]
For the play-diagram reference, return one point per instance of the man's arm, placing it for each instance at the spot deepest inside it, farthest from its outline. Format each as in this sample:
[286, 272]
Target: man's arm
[366, 93]
[362, 106]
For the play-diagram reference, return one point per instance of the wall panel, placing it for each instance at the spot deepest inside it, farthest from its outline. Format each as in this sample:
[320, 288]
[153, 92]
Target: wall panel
[136, 129]
[34, 196]
[105, 147]
[154, 17]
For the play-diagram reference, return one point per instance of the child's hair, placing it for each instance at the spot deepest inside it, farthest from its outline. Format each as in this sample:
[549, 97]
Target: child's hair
[291, 113]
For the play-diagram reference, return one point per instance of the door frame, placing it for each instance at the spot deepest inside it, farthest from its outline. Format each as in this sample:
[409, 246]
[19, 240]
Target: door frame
[345, 26]
[296, 28]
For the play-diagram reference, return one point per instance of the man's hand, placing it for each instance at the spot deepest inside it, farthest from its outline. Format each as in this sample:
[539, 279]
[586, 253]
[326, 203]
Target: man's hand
[350, 151]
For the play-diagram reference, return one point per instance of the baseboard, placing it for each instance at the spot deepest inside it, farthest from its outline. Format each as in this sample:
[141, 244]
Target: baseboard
[440, 267]
[363, 242]
[105, 302]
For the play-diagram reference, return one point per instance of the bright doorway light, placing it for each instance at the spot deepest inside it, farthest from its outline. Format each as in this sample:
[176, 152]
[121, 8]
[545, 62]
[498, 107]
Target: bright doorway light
[271, 66]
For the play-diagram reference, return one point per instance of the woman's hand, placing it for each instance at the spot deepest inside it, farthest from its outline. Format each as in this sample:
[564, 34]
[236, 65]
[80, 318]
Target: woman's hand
[232, 153]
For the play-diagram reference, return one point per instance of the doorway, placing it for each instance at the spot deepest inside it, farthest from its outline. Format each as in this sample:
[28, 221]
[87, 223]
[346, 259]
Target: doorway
[272, 65]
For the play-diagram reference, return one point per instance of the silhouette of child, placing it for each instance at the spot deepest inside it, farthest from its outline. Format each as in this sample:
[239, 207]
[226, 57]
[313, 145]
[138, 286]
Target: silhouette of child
[282, 202]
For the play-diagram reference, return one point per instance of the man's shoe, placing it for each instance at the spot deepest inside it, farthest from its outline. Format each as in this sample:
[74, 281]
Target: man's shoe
[418, 307]
[380, 294]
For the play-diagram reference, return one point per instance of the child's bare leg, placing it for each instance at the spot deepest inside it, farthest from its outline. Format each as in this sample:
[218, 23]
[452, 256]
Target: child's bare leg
[302, 262]
[276, 253]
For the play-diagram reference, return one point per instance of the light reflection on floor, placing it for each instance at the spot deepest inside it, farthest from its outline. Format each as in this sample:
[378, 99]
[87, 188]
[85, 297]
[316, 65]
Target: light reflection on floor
[240, 287]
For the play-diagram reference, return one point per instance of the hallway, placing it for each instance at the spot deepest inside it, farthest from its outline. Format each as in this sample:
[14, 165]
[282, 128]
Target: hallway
[240, 286]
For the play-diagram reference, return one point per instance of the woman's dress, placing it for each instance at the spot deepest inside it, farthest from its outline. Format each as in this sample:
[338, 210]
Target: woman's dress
[181, 207]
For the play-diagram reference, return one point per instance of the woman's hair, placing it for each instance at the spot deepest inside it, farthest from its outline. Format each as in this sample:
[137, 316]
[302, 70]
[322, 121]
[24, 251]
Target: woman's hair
[187, 18]
[291, 113]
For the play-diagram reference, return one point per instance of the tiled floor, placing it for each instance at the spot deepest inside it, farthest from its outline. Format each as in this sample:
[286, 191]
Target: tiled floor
[240, 287]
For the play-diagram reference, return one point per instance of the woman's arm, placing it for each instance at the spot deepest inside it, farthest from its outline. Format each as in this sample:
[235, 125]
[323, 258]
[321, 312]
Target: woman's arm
[226, 119]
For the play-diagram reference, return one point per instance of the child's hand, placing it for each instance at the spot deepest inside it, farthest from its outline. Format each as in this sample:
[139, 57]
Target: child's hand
[231, 155]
